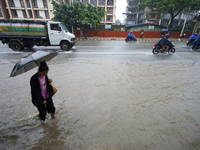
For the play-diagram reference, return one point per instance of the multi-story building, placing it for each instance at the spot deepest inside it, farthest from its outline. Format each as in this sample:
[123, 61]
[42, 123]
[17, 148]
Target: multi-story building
[43, 9]
[3, 11]
[29, 9]
[136, 17]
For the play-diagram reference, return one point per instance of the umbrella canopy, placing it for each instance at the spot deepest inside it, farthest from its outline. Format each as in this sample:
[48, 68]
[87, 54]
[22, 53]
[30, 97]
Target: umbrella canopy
[164, 29]
[31, 61]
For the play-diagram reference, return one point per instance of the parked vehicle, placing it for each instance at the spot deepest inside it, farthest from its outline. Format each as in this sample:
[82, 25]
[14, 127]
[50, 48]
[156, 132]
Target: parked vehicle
[25, 34]
[158, 47]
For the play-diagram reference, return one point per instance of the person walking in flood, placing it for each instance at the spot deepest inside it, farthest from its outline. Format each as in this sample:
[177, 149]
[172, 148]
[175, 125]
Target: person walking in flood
[141, 36]
[41, 91]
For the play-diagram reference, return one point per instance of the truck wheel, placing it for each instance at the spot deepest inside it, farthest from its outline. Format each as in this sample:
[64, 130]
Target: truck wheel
[65, 46]
[16, 46]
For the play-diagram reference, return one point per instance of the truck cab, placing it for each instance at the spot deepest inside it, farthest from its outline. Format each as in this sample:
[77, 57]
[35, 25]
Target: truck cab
[59, 35]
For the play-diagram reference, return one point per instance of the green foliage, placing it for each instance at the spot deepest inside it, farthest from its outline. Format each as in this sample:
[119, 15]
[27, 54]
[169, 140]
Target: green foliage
[173, 7]
[78, 14]
[62, 13]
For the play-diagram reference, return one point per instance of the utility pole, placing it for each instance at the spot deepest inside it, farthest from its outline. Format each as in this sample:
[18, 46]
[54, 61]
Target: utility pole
[184, 25]
[195, 27]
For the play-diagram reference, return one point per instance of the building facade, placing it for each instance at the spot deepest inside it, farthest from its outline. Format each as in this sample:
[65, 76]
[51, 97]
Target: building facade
[136, 17]
[3, 11]
[29, 9]
[43, 9]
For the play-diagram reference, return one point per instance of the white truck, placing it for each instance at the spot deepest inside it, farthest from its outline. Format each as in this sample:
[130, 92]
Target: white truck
[25, 34]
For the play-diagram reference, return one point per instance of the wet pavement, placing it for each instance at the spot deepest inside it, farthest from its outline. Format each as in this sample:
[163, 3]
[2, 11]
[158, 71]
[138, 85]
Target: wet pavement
[111, 95]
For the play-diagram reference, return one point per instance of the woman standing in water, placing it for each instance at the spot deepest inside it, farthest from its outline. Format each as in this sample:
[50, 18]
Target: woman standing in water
[41, 91]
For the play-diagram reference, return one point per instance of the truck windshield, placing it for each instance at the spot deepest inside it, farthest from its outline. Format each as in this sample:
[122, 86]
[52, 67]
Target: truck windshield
[64, 27]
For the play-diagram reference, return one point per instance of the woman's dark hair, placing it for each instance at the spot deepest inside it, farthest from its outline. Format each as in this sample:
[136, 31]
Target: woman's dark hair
[43, 66]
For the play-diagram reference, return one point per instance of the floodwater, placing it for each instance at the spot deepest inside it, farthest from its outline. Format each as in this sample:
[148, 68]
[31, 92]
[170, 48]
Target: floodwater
[105, 103]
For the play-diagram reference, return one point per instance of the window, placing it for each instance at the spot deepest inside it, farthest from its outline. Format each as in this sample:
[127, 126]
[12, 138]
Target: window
[94, 2]
[166, 16]
[101, 2]
[140, 21]
[35, 3]
[1, 12]
[109, 18]
[46, 14]
[21, 3]
[165, 22]
[109, 10]
[153, 15]
[30, 13]
[37, 14]
[45, 3]
[28, 3]
[103, 19]
[110, 2]
[55, 27]
[24, 13]
[141, 16]
[85, 1]
[14, 12]
[12, 4]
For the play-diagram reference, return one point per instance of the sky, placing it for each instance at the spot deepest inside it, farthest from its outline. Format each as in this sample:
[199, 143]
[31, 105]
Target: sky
[120, 8]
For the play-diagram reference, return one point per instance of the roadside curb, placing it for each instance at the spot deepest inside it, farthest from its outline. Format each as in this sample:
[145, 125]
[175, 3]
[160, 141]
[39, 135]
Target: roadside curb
[115, 39]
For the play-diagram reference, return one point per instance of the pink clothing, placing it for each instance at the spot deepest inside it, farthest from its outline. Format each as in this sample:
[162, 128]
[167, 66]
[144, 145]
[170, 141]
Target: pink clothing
[43, 87]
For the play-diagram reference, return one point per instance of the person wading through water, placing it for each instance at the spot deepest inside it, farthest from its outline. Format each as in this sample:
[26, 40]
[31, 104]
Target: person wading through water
[41, 92]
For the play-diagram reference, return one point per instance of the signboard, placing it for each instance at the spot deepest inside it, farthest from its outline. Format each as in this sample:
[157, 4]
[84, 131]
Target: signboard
[107, 26]
[151, 28]
[122, 29]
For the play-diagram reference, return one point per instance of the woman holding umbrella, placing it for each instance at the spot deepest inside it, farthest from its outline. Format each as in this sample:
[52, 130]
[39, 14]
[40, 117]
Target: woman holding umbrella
[41, 92]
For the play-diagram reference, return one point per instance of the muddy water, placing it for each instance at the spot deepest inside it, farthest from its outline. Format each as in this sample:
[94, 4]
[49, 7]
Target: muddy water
[105, 103]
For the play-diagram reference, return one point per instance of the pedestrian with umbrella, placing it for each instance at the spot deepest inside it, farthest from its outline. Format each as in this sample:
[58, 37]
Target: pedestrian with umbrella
[41, 88]
[41, 92]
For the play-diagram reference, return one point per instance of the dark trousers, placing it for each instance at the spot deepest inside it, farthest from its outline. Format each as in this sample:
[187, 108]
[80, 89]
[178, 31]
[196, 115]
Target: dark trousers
[44, 108]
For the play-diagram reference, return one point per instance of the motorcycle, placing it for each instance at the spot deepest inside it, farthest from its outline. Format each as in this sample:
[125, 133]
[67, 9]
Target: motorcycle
[157, 49]
[196, 44]
[189, 42]
[191, 39]
[128, 39]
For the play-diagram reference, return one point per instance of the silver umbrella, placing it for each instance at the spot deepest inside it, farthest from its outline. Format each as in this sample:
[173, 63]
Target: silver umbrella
[31, 61]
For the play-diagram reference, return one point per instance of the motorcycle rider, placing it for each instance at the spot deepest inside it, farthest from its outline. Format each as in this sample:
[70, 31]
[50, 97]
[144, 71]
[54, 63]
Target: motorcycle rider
[164, 42]
[192, 38]
[130, 36]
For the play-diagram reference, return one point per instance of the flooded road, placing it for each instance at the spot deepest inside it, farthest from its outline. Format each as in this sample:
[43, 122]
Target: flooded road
[111, 95]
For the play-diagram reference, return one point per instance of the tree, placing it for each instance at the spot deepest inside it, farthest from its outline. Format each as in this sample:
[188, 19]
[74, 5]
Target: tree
[173, 7]
[78, 14]
[93, 15]
[62, 12]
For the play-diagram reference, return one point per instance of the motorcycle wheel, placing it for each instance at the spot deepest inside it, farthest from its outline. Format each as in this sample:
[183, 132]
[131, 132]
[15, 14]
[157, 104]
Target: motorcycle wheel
[155, 51]
[126, 40]
[194, 47]
[171, 51]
